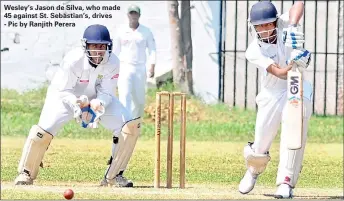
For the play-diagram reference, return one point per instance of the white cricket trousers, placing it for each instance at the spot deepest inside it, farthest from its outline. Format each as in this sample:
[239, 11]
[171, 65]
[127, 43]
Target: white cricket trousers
[271, 112]
[132, 88]
[55, 114]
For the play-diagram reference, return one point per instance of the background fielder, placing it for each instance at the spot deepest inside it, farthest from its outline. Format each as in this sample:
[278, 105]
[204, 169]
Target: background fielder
[131, 44]
[277, 44]
[91, 71]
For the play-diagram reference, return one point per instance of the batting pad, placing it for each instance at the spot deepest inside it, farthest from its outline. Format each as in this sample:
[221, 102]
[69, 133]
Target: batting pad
[290, 168]
[34, 149]
[125, 147]
[255, 163]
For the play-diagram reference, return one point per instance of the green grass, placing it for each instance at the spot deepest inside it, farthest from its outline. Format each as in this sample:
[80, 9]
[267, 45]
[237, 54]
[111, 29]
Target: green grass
[216, 135]
[208, 163]
[217, 122]
[196, 192]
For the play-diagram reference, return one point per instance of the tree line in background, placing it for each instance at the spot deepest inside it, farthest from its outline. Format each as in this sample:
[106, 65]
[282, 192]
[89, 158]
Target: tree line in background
[181, 44]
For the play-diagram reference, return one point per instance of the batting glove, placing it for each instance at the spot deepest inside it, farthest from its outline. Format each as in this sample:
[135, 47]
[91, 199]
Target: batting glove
[292, 37]
[301, 57]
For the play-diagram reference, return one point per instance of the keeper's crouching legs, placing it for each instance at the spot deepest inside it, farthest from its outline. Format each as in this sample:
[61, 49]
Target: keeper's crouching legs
[34, 149]
[123, 148]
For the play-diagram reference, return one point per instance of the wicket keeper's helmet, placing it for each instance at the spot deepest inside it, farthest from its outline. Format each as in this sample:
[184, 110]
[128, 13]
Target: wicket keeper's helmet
[97, 34]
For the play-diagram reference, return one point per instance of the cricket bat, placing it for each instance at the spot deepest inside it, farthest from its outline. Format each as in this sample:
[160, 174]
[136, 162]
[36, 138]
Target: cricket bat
[294, 119]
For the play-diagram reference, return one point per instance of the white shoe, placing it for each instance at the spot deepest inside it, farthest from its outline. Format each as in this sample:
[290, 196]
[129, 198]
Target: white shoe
[247, 182]
[23, 179]
[123, 182]
[119, 181]
[284, 191]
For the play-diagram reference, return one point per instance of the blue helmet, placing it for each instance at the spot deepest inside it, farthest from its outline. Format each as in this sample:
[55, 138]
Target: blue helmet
[261, 13]
[97, 34]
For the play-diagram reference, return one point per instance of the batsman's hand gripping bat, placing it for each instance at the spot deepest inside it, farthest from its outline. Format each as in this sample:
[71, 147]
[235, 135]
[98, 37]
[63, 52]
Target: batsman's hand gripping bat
[294, 117]
[293, 38]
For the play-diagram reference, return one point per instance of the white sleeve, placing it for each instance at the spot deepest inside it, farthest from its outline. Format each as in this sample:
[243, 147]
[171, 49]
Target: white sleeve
[117, 44]
[106, 88]
[283, 21]
[254, 56]
[64, 82]
[151, 48]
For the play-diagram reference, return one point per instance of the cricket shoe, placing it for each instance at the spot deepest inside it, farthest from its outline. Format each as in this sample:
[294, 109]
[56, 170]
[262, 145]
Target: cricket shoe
[23, 179]
[119, 181]
[247, 182]
[284, 191]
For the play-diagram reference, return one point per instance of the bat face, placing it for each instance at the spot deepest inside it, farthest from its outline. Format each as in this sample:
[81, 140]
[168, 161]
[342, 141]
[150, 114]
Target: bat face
[294, 90]
[294, 118]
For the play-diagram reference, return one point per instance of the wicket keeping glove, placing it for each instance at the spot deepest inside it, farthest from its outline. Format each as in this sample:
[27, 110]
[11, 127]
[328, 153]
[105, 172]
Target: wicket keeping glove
[76, 104]
[301, 57]
[292, 37]
[90, 115]
[83, 104]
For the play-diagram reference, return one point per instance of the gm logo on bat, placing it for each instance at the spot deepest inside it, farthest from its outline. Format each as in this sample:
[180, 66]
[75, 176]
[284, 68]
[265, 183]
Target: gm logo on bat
[294, 89]
[294, 85]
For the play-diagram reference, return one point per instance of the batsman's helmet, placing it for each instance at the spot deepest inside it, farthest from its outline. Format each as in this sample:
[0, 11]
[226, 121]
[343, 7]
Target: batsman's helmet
[97, 34]
[261, 13]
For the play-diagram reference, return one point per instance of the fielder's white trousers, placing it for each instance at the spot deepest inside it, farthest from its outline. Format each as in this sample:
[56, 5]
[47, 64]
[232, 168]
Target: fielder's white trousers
[55, 114]
[271, 112]
[132, 88]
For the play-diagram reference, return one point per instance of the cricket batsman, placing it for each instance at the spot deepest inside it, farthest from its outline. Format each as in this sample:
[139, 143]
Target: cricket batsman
[83, 89]
[276, 46]
[131, 44]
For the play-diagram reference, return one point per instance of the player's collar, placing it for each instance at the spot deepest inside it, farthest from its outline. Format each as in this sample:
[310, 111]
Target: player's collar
[137, 28]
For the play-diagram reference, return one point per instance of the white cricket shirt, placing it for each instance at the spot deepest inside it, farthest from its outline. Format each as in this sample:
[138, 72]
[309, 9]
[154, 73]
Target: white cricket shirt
[130, 45]
[264, 54]
[77, 77]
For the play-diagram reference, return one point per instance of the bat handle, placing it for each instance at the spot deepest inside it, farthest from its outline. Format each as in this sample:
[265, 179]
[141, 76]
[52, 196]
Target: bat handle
[294, 67]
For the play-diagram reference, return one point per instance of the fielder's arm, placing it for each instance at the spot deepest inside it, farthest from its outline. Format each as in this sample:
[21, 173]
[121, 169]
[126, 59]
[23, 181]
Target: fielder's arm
[152, 52]
[151, 48]
[117, 45]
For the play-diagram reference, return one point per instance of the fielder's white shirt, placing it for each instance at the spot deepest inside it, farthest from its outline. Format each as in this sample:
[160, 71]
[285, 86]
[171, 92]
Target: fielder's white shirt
[130, 45]
[264, 54]
[77, 77]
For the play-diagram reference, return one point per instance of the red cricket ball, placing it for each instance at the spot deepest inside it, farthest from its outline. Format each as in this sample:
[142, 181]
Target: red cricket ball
[68, 194]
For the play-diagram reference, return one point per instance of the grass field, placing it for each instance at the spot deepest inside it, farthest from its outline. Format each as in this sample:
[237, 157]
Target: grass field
[216, 135]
